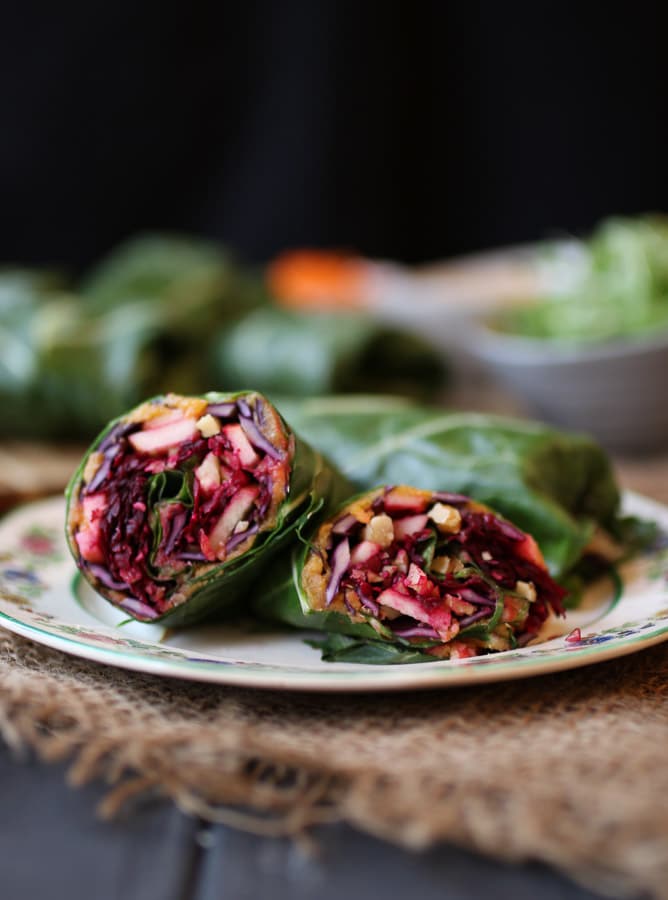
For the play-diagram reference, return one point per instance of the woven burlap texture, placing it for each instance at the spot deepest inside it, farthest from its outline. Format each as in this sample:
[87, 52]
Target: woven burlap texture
[568, 768]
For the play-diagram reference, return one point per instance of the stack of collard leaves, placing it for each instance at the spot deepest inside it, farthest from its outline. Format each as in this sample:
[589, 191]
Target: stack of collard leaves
[177, 314]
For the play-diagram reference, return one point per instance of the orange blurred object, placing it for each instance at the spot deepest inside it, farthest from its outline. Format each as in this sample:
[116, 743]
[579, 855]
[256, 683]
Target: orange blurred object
[319, 279]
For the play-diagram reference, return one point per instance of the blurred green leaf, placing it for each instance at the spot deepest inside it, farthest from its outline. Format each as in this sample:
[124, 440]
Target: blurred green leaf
[307, 354]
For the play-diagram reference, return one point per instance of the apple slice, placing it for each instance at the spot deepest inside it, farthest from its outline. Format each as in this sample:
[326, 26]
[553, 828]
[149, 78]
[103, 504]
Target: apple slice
[88, 537]
[241, 446]
[235, 511]
[364, 552]
[208, 473]
[409, 525]
[439, 618]
[402, 500]
[166, 418]
[158, 440]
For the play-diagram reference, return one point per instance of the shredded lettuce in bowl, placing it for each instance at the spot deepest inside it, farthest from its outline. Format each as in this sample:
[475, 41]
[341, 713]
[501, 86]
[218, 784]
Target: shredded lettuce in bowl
[619, 288]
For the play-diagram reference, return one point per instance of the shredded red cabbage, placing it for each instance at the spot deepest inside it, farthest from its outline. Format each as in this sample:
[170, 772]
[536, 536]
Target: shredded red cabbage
[483, 561]
[139, 542]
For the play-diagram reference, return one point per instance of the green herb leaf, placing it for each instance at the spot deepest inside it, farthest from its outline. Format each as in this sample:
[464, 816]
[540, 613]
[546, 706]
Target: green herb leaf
[343, 648]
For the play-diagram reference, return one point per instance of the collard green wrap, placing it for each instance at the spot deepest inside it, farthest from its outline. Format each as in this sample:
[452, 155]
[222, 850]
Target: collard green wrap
[558, 487]
[179, 504]
[140, 323]
[168, 313]
[305, 354]
[419, 574]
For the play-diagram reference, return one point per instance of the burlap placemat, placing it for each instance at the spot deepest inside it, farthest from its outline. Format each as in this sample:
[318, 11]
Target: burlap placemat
[569, 768]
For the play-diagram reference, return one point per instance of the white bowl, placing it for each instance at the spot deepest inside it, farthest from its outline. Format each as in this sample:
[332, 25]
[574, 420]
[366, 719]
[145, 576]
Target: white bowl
[616, 391]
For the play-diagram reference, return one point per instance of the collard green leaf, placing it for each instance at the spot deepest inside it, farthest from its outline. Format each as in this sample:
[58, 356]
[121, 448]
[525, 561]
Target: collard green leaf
[31, 305]
[188, 276]
[343, 648]
[556, 486]
[140, 323]
[305, 354]
[278, 597]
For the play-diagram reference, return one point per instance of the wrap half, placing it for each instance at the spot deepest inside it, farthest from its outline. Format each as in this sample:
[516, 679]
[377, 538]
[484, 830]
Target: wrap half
[557, 486]
[179, 503]
[417, 570]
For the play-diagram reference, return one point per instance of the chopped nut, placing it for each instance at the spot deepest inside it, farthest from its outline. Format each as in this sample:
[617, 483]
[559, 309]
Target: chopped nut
[208, 425]
[526, 589]
[353, 605]
[461, 607]
[242, 525]
[380, 530]
[440, 565]
[389, 613]
[447, 518]
[460, 650]
[191, 407]
[496, 641]
[446, 565]
[208, 473]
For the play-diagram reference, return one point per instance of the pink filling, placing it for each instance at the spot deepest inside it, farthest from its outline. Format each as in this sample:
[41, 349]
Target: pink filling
[231, 487]
[490, 557]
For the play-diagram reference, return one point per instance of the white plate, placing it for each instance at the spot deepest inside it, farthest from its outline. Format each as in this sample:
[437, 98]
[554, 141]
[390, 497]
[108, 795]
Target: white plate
[42, 598]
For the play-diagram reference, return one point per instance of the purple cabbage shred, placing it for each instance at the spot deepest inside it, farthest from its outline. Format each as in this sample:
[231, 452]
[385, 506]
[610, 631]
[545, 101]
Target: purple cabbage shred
[340, 561]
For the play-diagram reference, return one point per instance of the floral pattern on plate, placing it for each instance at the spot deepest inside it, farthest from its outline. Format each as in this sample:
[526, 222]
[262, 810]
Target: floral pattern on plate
[42, 597]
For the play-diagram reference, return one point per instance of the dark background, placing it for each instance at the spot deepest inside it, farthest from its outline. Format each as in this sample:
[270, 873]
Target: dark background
[411, 131]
